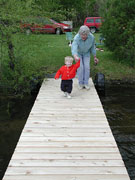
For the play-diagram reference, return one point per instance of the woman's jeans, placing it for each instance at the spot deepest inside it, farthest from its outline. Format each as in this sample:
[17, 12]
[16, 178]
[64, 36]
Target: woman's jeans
[83, 72]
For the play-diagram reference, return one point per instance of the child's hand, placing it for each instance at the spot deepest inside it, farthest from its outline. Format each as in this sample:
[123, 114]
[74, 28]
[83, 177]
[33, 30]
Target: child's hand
[56, 78]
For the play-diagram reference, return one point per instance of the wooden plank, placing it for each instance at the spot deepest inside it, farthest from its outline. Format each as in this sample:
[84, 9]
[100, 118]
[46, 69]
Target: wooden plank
[69, 130]
[81, 122]
[66, 105]
[56, 156]
[29, 144]
[67, 139]
[65, 170]
[64, 163]
[68, 113]
[67, 118]
[64, 134]
[93, 116]
[76, 150]
[40, 125]
[68, 177]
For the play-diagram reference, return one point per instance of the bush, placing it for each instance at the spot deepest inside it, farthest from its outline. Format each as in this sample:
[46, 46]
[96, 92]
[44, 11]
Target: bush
[118, 29]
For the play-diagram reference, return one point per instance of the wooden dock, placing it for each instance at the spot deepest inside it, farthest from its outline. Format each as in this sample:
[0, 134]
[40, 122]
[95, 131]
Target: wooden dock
[66, 139]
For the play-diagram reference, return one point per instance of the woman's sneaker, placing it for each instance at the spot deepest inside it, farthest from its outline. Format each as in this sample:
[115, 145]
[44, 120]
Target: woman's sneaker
[68, 96]
[87, 86]
[80, 86]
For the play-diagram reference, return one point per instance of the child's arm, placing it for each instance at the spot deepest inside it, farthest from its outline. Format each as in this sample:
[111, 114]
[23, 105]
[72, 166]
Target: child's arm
[77, 65]
[58, 74]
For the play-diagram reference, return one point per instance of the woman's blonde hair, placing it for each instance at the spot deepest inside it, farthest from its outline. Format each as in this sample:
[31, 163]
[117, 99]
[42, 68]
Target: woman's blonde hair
[68, 58]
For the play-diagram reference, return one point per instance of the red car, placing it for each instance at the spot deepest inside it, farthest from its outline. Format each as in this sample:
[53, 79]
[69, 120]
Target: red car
[44, 25]
[93, 23]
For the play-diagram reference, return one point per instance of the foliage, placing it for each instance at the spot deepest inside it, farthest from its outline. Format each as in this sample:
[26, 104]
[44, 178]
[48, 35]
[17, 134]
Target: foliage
[82, 9]
[76, 10]
[118, 29]
[12, 11]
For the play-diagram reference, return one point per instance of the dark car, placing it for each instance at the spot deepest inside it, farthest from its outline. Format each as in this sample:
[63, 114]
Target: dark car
[44, 25]
[93, 23]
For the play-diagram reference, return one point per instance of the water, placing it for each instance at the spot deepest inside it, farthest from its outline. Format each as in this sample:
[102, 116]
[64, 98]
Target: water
[118, 105]
[13, 115]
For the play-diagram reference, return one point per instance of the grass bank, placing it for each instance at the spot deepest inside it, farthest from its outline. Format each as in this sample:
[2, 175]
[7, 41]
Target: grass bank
[48, 51]
[44, 54]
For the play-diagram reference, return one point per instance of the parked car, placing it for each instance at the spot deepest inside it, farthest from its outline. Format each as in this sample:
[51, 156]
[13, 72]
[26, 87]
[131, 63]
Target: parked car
[94, 23]
[44, 25]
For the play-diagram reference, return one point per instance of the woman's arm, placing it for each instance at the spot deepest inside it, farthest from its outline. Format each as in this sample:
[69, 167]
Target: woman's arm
[74, 48]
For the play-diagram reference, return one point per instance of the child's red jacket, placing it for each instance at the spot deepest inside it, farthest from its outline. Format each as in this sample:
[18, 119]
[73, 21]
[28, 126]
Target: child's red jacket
[67, 72]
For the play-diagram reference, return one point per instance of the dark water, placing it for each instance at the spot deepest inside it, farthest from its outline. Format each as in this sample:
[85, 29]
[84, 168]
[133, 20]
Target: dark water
[13, 115]
[119, 106]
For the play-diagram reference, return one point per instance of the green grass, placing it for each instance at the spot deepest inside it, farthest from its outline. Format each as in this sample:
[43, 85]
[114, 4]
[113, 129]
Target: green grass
[37, 55]
[46, 52]
[43, 50]
[109, 66]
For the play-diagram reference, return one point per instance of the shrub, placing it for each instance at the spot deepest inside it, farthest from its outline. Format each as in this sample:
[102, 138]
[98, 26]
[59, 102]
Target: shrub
[118, 29]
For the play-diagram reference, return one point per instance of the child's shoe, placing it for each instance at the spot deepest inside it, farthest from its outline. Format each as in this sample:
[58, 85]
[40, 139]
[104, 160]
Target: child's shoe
[68, 96]
[65, 94]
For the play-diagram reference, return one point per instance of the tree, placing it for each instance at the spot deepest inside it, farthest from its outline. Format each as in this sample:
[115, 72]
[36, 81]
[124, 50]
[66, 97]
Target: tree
[118, 29]
[12, 12]
[76, 10]
[81, 9]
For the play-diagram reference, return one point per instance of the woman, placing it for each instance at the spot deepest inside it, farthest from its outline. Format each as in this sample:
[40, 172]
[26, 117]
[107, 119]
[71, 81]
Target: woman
[82, 47]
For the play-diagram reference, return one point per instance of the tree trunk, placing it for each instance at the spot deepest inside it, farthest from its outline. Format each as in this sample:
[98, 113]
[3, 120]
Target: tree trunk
[11, 54]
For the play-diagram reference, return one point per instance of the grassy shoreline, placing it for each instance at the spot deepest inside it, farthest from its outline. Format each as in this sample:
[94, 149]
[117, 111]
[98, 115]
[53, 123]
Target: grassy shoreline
[112, 69]
[44, 54]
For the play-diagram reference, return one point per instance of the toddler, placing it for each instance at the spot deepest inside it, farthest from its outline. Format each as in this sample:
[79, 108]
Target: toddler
[67, 72]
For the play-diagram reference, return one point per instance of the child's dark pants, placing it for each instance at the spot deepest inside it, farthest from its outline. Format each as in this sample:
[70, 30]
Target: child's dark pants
[66, 85]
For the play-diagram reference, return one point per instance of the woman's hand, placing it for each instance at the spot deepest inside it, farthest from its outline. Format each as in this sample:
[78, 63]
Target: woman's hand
[96, 60]
[76, 58]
